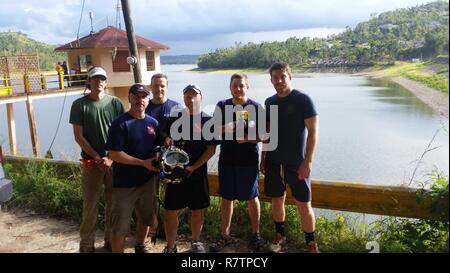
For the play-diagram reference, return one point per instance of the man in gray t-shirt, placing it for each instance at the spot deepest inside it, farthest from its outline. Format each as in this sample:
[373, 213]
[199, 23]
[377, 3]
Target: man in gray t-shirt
[91, 117]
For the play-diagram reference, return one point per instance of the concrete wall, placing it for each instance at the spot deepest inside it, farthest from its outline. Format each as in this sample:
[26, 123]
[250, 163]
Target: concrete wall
[103, 57]
[122, 94]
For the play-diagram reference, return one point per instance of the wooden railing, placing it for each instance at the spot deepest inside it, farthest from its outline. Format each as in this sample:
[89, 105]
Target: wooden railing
[62, 81]
[334, 195]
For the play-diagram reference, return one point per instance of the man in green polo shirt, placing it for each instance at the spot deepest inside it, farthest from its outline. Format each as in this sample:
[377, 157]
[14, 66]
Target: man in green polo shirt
[91, 117]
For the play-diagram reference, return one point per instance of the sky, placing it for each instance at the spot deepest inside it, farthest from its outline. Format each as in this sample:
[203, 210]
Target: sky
[193, 26]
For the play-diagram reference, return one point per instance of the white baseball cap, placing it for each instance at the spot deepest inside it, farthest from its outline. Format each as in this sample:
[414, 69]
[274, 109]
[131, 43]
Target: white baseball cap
[96, 71]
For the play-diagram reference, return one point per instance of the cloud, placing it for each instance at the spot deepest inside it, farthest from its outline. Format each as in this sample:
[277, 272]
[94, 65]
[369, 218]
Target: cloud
[210, 43]
[188, 21]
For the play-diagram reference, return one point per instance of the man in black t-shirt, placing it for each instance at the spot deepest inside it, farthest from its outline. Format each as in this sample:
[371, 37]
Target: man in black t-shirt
[193, 191]
[291, 161]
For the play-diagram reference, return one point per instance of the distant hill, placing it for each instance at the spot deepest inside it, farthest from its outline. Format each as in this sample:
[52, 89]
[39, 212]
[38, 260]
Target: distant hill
[15, 43]
[419, 32]
[180, 59]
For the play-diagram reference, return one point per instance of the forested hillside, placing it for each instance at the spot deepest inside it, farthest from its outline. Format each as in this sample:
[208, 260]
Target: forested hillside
[403, 34]
[13, 43]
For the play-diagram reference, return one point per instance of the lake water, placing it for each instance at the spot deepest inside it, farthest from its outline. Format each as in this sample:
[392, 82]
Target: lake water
[371, 131]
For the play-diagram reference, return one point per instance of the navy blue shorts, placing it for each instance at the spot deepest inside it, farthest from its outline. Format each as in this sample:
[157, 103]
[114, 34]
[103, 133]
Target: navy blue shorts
[279, 175]
[238, 182]
[191, 193]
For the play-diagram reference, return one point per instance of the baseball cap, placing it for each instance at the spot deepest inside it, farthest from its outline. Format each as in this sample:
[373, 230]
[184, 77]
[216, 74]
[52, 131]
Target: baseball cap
[97, 71]
[194, 87]
[138, 87]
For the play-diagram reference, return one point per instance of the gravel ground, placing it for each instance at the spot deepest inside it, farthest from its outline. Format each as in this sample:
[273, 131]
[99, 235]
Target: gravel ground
[30, 232]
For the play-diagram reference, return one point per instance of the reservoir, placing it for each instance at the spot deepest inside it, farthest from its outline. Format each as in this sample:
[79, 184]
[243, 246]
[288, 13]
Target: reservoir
[371, 131]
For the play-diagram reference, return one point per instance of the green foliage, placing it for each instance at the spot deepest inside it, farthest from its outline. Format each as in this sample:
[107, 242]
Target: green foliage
[40, 188]
[437, 194]
[342, 234]
[412, 236]
[416, 32]
[417, 72]
[438, 82]
[18, 43]
[418, 235]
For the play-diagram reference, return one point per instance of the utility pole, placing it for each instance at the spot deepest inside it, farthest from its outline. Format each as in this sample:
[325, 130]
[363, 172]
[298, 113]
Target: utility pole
[134, 58]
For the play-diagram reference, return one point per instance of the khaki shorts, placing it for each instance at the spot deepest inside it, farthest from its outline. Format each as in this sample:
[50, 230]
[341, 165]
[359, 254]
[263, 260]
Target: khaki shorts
[143, 199]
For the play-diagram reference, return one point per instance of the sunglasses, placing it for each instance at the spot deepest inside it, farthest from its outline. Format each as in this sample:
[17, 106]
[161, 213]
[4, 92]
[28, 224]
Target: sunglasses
[99, 77]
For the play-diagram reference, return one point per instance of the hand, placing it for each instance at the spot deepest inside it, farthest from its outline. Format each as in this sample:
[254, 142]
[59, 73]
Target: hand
[168, 141]
[304, 170]
[197, 128]
[189, 169]
[229, 127]
[148, 164]
[104, 163]
[262, 166]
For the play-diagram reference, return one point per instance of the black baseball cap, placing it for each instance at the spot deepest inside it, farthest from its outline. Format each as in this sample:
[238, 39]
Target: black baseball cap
[194, 87]
[137, 88]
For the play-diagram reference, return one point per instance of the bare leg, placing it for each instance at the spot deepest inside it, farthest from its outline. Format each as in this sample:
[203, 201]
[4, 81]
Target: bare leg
[278, 211]
[307, 216]
[254, 211]
[226, 214]
[117, 243]
[196, 224]
[141, 233]
[171, 226]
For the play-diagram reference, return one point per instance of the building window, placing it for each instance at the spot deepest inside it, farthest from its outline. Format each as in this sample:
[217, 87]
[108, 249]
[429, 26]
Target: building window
[84, 63]
[120, 62]
[150, 56]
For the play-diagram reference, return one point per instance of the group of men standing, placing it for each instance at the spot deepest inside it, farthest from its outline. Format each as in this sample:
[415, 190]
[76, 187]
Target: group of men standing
[119, 154]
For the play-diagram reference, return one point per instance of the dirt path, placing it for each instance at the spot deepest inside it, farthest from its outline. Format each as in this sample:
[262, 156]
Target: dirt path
[30, 232]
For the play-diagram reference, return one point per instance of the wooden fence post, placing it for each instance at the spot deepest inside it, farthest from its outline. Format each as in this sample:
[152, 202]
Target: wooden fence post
[31, 118]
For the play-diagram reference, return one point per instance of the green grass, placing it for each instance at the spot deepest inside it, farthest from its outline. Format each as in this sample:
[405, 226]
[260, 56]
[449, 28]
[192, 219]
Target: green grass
[415, 71]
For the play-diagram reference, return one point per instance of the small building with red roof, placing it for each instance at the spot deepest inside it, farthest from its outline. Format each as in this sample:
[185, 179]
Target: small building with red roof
[108, 48]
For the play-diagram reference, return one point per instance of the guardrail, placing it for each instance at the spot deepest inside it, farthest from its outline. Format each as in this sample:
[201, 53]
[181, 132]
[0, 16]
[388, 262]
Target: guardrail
[334, 195]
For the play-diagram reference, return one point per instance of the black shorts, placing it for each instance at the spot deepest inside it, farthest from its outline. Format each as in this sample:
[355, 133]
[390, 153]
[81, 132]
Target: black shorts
[279, 175]
[192, 193]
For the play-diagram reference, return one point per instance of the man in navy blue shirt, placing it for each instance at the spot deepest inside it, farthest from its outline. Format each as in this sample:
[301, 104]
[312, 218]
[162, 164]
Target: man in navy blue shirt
[192, 192]
[291, 162]
[132, 139]
[159, 108]
[239, 162]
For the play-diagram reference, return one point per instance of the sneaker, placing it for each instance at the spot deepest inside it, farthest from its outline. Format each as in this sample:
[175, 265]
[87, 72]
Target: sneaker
[197, 247]
[168, 249]
[313, 248]
[140, 248]
[225, 240]
[278, 244]
[257, 242]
